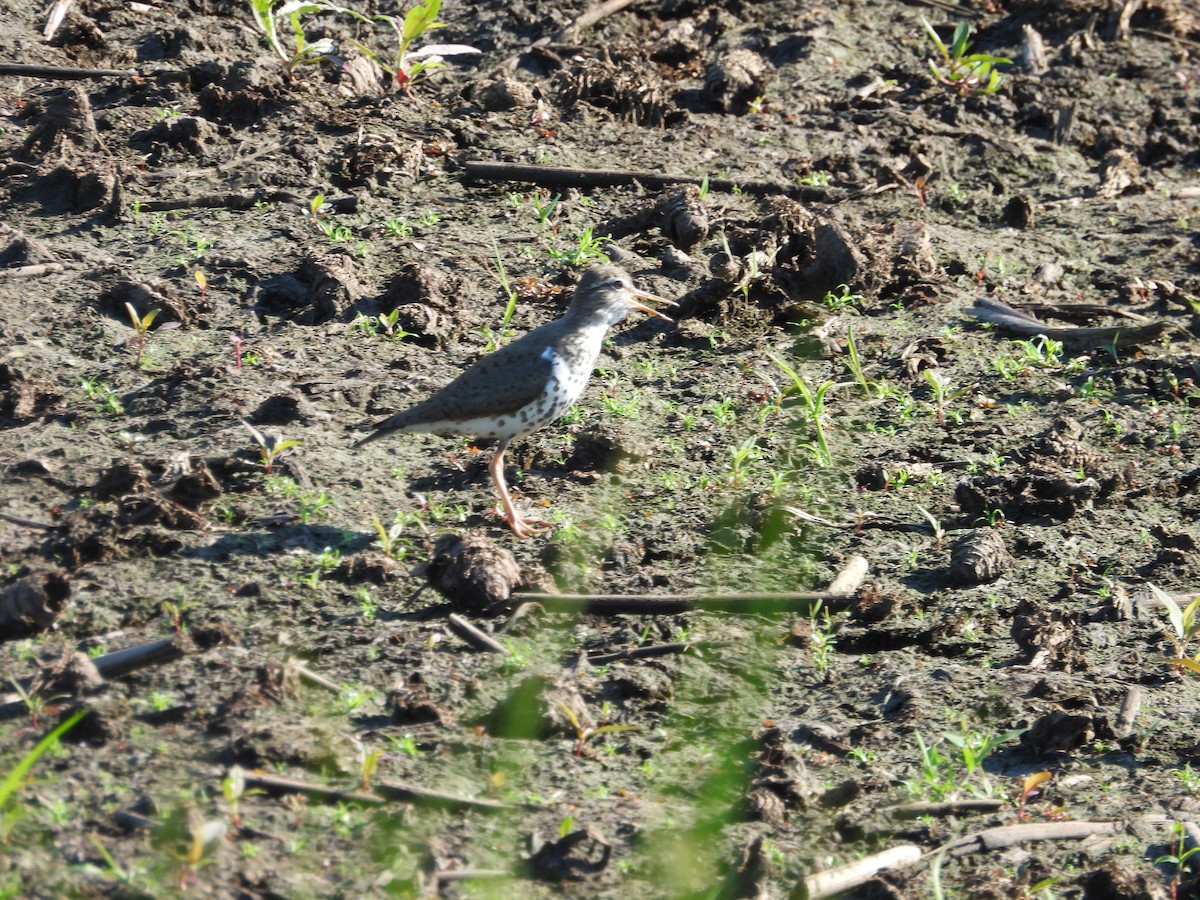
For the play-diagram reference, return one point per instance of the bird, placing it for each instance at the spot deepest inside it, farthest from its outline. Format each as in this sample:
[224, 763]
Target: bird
[530, 382]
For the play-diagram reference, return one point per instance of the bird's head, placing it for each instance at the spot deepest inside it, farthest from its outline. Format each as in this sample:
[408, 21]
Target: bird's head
[607, 292]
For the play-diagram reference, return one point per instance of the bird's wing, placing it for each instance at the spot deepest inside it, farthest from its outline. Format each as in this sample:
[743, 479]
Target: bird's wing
[498, 384]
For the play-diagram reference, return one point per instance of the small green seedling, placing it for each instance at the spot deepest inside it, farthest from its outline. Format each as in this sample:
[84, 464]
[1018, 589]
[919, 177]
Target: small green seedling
[368, 764]
[942, 395]
[815, 178]
[384, 323]
[406, 744]
[239, 346]
[318, 209]
[584, 733]
[233, 787]
[141, 328]
[1041, 351]
[36, 704]
[544, 207]
[1029, 789]
[302, 52]
[103, 395]
[398, 227]
[854, 362]
[814, 409]
[821, 638]
[935, 525]
[1185, 625]
[202, 283]
[387, 537]
[194, 245]
[351, 697]
[844, 297]
[967, 73]
[747, 452]
[407, 65]
[175, 612]
[588, 249]
[1178, 855]
[272, 448]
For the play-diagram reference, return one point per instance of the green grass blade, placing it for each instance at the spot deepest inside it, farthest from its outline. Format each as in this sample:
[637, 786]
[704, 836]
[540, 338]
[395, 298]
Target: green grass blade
[18, 772]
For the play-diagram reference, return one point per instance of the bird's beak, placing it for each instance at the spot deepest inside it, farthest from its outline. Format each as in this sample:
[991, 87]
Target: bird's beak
[649, 310]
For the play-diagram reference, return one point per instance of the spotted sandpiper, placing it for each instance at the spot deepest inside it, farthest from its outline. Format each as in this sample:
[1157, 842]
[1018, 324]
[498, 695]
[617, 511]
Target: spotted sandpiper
[531, 382]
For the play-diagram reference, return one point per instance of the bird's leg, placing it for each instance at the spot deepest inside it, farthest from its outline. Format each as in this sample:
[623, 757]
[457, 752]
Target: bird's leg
[521, 526]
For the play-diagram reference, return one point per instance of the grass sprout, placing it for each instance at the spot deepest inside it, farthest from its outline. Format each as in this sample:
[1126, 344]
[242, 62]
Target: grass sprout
[967, 73]
[271, 448]
[11, 811]
[814, 410]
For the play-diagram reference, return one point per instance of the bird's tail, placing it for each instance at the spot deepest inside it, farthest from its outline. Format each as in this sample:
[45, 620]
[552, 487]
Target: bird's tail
[381, 429]
[398, 422]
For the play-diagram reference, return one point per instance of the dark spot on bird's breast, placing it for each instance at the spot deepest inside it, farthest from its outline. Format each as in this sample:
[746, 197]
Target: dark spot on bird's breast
[501, 422]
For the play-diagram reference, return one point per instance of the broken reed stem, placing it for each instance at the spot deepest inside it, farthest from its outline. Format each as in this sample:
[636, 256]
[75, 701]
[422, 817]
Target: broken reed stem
[29, 523]
[64, 73]
[423, 796]
[851, 577]
[650, 652]
[671, 604]
[1126, 718]
[122, 662]
[314, 678]
[32, 271]
[944, 808]
[109, 666]
[474, 636]
[836, 881]
[843, 878]
[382, 793]
[280, 784]
[1009, 835]
[564, 176]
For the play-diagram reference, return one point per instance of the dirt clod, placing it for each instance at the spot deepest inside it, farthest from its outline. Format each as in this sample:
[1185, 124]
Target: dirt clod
[473, 573]
[32, 604]
[979, 557]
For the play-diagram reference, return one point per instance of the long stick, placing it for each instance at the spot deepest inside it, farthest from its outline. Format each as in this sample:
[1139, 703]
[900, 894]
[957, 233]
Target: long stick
[944, 808]
[476, 637]
[422, 796]
[111, 665]
[1009, 835]
[835, 881]
[283, 785]
[65, 73]
[563, 176]
[670, 604]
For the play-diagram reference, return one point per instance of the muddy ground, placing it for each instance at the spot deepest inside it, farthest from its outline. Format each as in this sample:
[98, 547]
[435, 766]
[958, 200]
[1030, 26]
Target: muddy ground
[320, 252]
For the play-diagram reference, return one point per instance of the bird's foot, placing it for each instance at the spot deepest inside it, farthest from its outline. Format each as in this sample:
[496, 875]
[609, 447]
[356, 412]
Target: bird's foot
[522, 526]
[525, 526]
